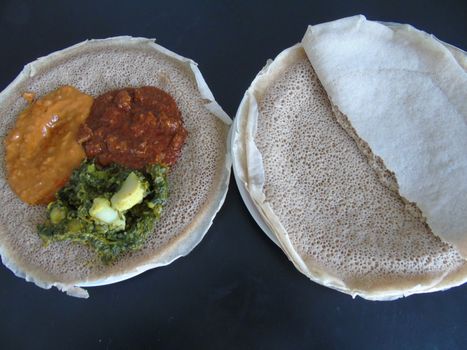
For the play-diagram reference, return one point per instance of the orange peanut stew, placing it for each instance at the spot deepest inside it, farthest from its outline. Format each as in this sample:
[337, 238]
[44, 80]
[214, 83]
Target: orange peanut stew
[41, 150]
[133, 127]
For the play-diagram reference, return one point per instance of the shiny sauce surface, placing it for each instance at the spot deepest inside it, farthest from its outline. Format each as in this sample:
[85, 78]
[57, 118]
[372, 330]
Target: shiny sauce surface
[41, 150]
[134, 127]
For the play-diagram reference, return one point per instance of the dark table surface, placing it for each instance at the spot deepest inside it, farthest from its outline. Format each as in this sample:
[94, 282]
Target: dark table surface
[236, 290]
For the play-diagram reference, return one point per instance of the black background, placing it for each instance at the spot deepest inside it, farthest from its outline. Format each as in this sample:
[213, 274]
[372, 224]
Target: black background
[236, 290]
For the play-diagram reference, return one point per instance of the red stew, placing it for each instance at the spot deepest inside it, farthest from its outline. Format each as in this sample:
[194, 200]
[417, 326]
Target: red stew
[133, 127]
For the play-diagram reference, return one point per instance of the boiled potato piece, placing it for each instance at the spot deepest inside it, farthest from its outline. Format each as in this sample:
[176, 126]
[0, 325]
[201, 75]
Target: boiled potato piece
[131, 193]
[103, 212]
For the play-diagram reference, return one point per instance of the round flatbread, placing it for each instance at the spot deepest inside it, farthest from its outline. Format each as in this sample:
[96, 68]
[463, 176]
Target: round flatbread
[198, 182]
[404, 93]
[335, 212]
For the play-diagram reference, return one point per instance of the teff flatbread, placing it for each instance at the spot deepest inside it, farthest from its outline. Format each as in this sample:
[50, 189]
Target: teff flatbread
[198, 182]
[335, 212]
[405, 94]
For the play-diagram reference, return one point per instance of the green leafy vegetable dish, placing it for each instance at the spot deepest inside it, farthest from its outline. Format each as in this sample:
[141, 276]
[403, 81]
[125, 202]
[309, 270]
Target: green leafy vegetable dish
[111, 210]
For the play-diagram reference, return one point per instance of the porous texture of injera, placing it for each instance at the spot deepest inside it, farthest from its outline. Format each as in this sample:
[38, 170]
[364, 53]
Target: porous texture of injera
[194, 181]
[338, 214]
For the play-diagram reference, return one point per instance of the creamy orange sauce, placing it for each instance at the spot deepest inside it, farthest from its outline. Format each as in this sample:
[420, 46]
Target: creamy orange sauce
[41, 150]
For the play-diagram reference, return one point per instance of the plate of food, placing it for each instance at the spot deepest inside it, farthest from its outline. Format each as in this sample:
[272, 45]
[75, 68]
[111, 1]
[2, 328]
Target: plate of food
[114, 161]
[350, 149]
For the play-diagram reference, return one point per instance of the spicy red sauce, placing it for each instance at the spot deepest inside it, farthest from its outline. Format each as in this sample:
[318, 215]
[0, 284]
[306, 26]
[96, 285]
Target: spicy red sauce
[133, 127]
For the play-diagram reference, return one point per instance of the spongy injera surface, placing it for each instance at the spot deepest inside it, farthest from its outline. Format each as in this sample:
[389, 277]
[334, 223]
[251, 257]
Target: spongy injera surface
[338, 215]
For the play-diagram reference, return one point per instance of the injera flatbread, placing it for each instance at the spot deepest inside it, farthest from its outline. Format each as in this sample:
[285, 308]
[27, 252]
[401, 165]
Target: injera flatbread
[198, 182]
[405, 94]
[331, 210]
